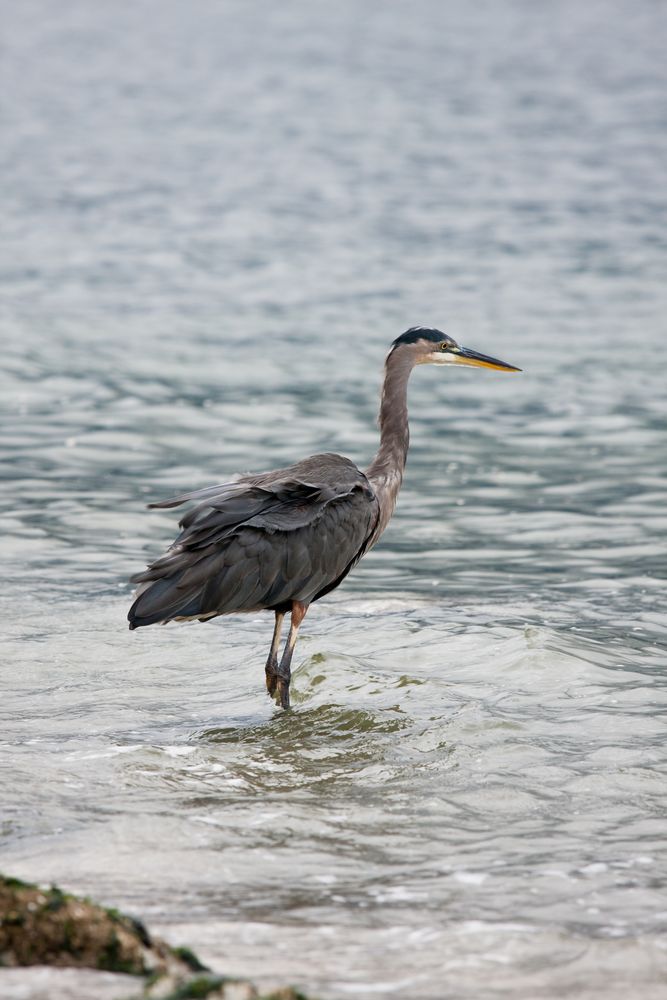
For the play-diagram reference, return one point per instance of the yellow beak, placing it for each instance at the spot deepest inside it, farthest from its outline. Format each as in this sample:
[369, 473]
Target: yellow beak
[465, 357]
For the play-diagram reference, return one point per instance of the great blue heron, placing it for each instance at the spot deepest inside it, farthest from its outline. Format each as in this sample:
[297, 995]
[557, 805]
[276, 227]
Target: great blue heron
[280, 540]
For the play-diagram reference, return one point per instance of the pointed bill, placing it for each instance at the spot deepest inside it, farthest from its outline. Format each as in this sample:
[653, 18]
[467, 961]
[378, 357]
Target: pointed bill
[465, 357]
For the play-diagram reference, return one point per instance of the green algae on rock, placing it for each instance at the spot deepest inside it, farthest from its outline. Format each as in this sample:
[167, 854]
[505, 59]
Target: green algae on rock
[50, 927]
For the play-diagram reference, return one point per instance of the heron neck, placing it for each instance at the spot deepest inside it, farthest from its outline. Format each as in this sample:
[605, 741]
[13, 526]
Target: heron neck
[386, 470]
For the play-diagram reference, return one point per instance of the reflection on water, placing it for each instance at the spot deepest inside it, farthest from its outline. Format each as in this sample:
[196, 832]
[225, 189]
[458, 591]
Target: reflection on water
[468, 796]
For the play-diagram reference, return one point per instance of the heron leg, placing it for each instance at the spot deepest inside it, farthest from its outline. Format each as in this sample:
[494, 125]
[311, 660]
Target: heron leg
[271, 668]
[284, 672]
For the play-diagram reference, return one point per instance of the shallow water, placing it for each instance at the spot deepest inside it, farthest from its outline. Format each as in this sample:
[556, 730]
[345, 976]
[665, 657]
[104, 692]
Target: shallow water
[217, 220]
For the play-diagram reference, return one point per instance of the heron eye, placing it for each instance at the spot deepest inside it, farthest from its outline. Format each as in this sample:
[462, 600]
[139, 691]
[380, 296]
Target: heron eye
[444, 346]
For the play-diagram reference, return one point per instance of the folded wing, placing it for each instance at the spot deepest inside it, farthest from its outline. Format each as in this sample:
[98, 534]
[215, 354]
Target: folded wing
[260, 542]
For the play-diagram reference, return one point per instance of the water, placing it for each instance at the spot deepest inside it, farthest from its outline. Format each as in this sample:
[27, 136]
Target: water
[216, 218]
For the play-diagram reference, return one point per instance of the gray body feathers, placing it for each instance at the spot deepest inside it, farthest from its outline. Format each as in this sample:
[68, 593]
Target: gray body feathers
[262, 541]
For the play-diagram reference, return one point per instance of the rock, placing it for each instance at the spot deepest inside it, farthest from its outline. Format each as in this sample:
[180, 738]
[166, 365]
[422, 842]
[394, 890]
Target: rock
[49, 927]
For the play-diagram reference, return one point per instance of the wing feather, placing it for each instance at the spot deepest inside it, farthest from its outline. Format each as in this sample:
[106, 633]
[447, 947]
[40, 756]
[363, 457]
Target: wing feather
[260, 542]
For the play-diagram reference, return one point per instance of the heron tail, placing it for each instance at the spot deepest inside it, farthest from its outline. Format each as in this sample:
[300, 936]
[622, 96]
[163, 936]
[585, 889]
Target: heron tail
[160, 601]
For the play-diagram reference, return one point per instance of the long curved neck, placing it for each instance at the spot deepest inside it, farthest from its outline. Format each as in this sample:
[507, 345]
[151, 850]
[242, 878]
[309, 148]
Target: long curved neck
[385, 473]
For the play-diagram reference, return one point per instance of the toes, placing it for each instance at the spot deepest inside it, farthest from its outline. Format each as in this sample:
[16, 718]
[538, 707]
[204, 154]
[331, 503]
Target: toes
[282, 693]
[271, 683]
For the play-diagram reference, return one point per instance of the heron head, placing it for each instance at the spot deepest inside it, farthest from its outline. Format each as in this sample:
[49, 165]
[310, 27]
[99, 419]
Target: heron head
[432, 347]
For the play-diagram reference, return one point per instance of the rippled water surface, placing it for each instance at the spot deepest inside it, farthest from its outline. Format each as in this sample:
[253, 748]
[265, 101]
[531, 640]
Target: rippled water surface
[216, 218]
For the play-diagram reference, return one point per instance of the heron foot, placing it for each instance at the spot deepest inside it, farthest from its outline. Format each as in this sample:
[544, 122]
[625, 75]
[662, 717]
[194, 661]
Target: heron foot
[271, 671]
[271, 684]
[282, 691]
